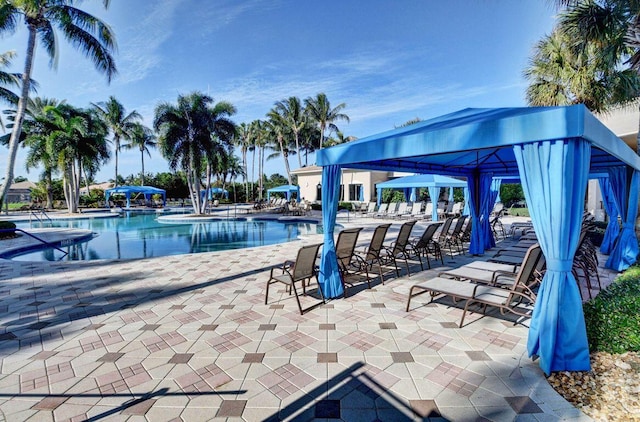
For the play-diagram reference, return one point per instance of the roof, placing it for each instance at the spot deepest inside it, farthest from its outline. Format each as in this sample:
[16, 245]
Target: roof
[132, 189]
[22, 185]
[284, 188]
[423, 181]
[479, 140]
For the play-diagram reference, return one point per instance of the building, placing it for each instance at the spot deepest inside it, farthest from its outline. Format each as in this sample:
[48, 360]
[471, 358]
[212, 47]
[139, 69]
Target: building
[357, 185]
[20, 192]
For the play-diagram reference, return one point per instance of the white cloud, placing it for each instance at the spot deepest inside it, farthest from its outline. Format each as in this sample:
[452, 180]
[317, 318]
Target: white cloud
[142, 52]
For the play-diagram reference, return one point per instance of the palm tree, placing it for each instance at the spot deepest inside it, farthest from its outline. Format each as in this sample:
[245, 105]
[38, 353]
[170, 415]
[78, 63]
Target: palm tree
[340, 139]
[243, 140]
[188, 132]
[36, 127]
[319, 110]
[562, 75]
[278, 132]
[293, 116]
[259, 142]
[142, 138]
[612, 27]
[120, 124]
[87, 33]
[8, 79]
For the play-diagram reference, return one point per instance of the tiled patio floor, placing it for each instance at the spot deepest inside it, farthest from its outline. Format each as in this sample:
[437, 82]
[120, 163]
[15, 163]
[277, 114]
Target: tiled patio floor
[189, 338]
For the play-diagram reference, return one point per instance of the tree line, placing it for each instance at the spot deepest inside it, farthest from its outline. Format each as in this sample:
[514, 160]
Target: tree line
[196, 135]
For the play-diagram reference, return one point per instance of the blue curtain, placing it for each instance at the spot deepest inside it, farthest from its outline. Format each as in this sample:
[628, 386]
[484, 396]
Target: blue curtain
[489, 189]
[361, 196]
[450, 199]
[414, 195]
[613, 228]
[477, 241]
[554, 177]
[625, 249]
[465, 210]
[407, 194]
[379, 199]
[329, 274]
[434, 193]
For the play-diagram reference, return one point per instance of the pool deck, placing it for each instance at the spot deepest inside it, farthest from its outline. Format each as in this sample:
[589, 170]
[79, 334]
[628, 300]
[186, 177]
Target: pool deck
[189, 338]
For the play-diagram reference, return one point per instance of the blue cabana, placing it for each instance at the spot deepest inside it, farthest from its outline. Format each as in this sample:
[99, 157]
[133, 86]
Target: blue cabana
[147, 191]
[431, 181]
[215, 191]
[286, 189]
[553, 151]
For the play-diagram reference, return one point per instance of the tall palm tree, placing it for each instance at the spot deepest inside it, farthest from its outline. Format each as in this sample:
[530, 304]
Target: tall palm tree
[120, 124]
[340, 139]
[561, 75]
[86, 32]
[188, 132]
[611, 26]
[259, 142]
[142, 138]
[293, 116]
[243, 140]
[320, 111]
[278, 132]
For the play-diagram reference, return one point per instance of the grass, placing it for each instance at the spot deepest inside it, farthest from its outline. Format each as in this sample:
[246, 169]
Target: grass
[519, 212]
[613, 317]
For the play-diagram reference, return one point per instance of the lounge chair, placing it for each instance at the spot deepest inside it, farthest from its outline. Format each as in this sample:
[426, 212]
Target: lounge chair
[391, 210]
[402, 210]
[372, 255]
[491, 273]
[370, 209]
[425, 245]
[506, 299]
[456, 210]
[351, 269]
[400, 248]
[416, 211]
[382, 210]
[302, 270]
[454, 238]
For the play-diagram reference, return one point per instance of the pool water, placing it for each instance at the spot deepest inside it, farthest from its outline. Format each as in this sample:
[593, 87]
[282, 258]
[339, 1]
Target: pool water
[140, 235]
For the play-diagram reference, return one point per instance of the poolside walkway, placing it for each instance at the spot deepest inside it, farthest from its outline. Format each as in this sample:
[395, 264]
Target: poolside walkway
[189, 338]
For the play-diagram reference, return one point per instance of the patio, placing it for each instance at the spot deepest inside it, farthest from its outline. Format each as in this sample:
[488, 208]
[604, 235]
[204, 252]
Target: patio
[189, 338]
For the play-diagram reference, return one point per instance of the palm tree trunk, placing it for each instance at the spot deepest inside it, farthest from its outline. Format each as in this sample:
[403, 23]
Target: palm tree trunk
[86, 182]
[22, 106]
[321, 135]
[116, 144]
[260, 170]
[245, 179]
[285, 156]
[48, 185]
[142, 159]
[298, 149]
[253, 170]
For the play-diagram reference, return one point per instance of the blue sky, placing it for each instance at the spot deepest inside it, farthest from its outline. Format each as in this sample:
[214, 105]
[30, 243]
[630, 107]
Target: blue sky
[389, 61]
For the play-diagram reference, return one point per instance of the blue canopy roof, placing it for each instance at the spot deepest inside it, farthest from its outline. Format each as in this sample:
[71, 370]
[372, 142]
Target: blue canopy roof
[423, 181]
[147, 191]
[287, 189]
[479, 139]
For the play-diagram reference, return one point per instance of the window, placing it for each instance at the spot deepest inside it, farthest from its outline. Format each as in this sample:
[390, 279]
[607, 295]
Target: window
[355, 192]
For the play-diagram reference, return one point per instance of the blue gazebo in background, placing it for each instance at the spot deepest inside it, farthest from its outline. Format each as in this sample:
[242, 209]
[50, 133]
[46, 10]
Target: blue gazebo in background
[286, 189]
[215, 191]
[147, 191]
[433, 182]
[553, 151]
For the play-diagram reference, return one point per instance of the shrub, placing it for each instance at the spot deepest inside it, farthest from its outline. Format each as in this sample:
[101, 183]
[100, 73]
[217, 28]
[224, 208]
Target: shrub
[4, 225]
[345, 206]
[613, 317]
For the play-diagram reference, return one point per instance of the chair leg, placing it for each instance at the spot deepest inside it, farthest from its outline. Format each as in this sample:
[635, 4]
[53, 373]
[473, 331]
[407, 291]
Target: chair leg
[266, 295]
[293, 286]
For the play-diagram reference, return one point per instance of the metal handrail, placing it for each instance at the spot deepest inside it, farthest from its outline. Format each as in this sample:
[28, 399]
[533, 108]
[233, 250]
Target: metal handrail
[43, 212]
[51, 245]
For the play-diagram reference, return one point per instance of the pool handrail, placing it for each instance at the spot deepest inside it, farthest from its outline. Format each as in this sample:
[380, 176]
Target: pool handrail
[51, 245]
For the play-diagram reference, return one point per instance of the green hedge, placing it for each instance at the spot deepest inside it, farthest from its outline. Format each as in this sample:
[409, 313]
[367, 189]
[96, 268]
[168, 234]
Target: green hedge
[7, 225]
[613, 317]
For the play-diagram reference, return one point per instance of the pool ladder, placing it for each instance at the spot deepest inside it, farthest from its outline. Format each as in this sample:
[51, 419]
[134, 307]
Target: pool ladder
[39, 215]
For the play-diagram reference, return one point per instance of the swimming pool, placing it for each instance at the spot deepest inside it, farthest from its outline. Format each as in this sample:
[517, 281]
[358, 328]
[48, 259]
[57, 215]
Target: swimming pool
[141, 235]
